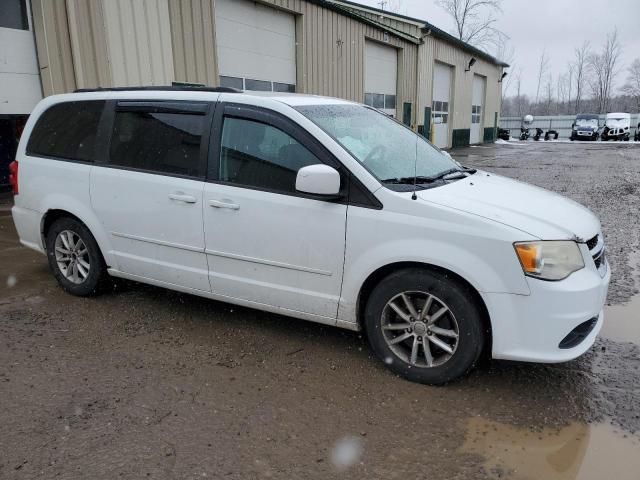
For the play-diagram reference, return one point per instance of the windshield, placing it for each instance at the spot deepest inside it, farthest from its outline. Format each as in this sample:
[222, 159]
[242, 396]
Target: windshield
[617, 122]
[587, 122]
[385, 147]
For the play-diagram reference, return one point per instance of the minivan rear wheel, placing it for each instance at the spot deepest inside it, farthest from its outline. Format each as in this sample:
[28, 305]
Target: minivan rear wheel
[75, 258]
[424, 325]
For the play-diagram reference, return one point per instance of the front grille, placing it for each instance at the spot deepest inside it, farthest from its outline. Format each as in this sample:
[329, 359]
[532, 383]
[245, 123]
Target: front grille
[578, 334]
[591, 244]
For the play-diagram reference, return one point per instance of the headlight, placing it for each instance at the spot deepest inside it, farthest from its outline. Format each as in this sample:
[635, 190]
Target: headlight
[551, 260]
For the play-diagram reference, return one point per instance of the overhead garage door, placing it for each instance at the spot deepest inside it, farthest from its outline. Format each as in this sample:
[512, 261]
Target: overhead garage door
[381, 73]
[477, 108]
[441, 104]
[256, 46]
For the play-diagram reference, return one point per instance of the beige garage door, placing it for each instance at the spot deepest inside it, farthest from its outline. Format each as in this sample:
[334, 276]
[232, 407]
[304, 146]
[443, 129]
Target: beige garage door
[256, 46]
[381, 73]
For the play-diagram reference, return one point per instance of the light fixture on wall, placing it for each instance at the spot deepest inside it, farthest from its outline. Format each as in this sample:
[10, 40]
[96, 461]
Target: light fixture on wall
[504, 74]
[472, 62]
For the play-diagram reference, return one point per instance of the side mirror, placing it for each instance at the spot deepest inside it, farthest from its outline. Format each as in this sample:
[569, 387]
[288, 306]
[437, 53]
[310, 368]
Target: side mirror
[320, 180]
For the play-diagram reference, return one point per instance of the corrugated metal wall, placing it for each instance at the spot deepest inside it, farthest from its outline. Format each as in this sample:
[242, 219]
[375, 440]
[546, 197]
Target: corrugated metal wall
[138, 38]
[54, 46]
[193, 41]
[86, 43]
[437, 50]
[330, 49]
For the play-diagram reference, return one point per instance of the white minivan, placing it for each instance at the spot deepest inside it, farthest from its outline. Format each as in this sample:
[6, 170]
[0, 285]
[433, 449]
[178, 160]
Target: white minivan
[316, 208]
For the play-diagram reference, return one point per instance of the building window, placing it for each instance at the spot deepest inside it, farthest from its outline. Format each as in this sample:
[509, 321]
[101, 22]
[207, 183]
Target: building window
[476, 112]
[381, 101]
[232, 82]
[440, 110]
[256, 85]
[283, 87]
[13, 14]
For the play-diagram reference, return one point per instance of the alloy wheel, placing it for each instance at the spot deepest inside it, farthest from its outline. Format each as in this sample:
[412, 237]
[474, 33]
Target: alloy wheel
[420, 329]
[72, 256]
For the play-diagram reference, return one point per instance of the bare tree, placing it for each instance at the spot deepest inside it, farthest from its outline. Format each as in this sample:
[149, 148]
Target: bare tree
[543, 66]
[562, 89]
[632, 87]
[474, 19]
[570, 70]
[580, 67]
[548, 96]
[519, 99]
[604, 67]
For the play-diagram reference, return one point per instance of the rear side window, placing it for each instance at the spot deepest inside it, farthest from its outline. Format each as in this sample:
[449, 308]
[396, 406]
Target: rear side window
[159, 142]
[68, 131]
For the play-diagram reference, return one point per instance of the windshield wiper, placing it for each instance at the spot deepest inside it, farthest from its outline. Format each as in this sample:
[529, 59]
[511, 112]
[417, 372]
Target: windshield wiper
[451, 174]
[421, 180]
[409, 180]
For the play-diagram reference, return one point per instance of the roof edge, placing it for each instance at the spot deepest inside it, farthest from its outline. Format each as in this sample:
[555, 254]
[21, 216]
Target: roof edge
[423, 24]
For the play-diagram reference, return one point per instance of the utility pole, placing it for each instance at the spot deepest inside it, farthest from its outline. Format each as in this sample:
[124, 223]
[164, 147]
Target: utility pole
[383, 3]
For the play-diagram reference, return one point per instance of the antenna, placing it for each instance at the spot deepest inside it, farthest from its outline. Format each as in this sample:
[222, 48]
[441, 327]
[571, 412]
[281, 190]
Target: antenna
[415, 173]
[383, 4]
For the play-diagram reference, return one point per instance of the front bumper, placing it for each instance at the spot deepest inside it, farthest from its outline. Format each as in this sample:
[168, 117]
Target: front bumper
[585, 135]
[531, 327]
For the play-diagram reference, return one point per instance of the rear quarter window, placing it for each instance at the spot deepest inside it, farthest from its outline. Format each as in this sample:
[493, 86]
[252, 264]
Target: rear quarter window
[67, 131]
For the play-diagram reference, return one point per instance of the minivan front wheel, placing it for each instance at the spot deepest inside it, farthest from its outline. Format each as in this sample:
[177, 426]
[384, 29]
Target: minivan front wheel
[75, 258]
[424, 326]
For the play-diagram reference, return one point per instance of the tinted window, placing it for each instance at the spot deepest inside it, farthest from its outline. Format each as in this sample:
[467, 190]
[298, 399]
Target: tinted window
[257, 85]
[378, 100]
[283, 87]
[258, 155]
[233, 82]
[13, 14]
[389, 101]
[67, 130]
[158, 142]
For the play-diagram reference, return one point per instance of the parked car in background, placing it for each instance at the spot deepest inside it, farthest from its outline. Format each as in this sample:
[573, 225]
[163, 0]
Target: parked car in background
[315, 208]
[504, 134]
[617, 127]
[585, 127]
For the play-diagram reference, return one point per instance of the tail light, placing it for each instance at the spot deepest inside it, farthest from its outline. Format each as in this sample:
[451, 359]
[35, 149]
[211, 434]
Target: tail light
[13, 176]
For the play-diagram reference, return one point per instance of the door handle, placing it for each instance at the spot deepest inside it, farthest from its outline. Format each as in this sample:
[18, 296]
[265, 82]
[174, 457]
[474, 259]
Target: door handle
[181, 197]
[223, 204]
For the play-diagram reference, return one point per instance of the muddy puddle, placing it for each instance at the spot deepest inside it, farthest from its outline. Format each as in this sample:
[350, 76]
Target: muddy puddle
[577, 451]
[622, 323]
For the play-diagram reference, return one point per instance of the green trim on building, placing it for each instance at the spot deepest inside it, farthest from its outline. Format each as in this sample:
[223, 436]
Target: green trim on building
[489, 135]
[461, 137]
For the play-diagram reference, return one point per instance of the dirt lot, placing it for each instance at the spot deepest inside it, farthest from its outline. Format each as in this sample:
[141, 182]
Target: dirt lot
[146, 383]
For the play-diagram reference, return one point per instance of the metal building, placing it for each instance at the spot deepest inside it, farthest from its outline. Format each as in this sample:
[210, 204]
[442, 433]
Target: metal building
[403, 66]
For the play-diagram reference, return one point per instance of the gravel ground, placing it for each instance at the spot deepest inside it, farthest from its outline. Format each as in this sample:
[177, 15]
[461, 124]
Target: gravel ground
[147, 383]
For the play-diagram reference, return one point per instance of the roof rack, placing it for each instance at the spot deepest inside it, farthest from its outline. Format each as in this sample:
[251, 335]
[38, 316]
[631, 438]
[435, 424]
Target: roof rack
[161, 88]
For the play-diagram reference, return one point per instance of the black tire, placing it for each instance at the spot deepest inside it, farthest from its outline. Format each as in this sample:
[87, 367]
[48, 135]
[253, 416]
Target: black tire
[97, 278]
[463, 313]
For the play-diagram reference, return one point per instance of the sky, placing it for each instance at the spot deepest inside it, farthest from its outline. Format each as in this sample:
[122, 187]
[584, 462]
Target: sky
[559, 26]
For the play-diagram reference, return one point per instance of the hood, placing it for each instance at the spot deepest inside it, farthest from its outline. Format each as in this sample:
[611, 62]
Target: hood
[538, 212]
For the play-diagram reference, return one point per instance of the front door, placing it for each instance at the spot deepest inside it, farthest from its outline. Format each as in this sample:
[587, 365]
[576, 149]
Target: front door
[148, 194]
[265, 242]
[441, 105]
[477, 109]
